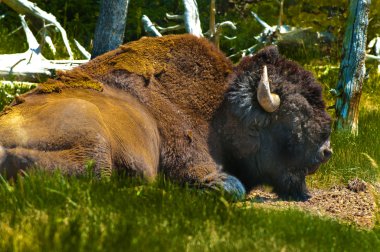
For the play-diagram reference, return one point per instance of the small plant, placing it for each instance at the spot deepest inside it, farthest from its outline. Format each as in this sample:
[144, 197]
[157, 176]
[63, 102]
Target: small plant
[90, 169]
[8, 91]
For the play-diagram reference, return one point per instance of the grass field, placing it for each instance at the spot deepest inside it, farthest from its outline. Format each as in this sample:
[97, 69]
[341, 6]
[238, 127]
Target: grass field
[45, 212]
[52, 213]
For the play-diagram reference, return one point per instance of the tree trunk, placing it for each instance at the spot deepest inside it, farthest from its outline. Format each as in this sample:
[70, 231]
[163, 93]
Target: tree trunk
[191, 18]
[352, 68]
[212, 21]
[110, 27]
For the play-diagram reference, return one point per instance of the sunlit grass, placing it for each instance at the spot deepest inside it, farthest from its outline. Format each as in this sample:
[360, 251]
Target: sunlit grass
[354, 156]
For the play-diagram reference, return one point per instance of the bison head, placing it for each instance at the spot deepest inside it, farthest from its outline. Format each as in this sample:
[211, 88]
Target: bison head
[276, 130]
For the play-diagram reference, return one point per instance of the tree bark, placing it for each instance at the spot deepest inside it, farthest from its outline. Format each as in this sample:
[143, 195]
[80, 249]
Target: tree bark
[191, 18]
[352, 68]
[110, 27]
[212, 21]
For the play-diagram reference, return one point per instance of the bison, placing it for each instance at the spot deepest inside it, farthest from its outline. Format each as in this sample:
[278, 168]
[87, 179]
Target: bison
[175, 105]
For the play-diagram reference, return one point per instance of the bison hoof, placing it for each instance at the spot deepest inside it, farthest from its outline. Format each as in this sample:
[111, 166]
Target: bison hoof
[302, 197]
[234, 188]
[2, 154]
[297, 197]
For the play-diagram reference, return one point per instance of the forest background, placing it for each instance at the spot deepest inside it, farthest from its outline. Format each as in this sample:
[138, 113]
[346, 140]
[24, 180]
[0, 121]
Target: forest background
[79, 17]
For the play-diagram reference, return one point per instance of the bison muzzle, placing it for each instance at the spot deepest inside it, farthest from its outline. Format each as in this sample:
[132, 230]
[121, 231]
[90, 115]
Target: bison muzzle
[175, 105]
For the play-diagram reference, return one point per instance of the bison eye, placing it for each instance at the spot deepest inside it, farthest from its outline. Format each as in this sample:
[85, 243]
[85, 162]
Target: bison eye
[326, 132]
[253, 133]
[286, 144]
[291, 145]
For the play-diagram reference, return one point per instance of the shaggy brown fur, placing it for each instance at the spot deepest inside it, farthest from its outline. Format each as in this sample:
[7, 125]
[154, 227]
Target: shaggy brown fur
[181, 81]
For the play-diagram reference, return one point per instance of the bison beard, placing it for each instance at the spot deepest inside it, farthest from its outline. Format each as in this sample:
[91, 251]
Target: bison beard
[175, 105]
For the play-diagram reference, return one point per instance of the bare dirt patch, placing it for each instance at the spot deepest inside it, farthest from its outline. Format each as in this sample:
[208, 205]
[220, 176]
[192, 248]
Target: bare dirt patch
[354, 203]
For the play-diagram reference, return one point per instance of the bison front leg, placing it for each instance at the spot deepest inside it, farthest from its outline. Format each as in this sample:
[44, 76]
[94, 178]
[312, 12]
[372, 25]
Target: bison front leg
[292, 187]
[229, 184]
[212, 177]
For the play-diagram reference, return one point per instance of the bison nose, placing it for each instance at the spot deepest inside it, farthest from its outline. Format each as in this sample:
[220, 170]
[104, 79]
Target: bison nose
[325, 152]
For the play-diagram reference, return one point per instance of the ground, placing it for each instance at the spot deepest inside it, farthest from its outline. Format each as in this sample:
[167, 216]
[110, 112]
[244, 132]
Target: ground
[354, 203]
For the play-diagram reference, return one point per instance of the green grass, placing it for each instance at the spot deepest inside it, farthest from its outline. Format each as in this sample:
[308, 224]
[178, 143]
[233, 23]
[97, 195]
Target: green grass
[45, 212]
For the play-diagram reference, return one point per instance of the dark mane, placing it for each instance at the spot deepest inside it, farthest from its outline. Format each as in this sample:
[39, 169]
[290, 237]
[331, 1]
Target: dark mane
[286, 78]
[288, 70]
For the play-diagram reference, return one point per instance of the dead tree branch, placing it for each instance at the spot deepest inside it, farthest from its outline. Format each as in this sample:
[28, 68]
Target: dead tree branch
[83, 51]
[192, 24]
[374, 47]
[28, 8]
[31, 65]
[149, 27]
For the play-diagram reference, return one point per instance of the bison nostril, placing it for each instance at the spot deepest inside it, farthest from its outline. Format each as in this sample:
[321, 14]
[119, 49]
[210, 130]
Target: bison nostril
[327, 154]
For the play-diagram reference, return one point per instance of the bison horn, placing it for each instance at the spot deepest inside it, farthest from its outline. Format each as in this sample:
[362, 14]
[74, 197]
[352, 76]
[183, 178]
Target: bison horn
[267, 100]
